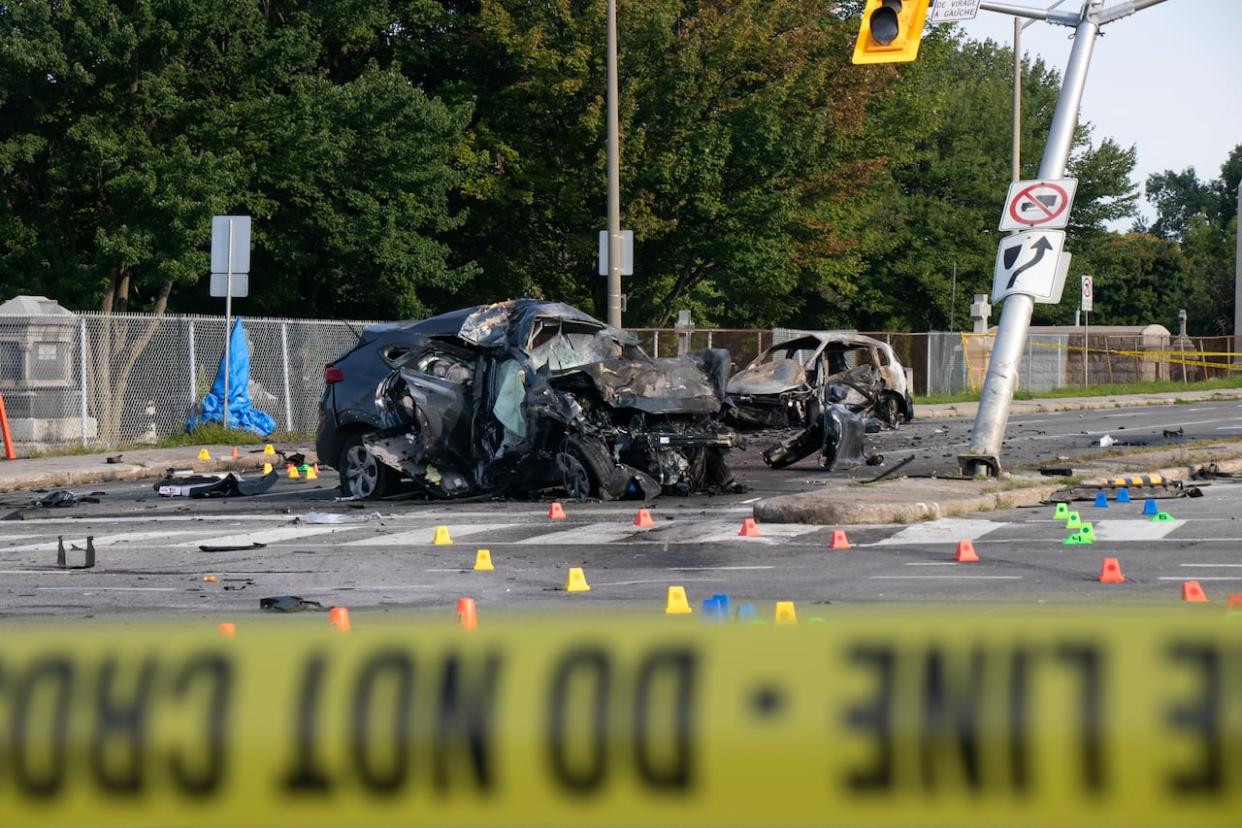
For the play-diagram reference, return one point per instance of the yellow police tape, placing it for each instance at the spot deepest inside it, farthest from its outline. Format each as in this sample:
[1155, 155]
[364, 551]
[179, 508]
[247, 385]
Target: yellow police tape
[945, 718]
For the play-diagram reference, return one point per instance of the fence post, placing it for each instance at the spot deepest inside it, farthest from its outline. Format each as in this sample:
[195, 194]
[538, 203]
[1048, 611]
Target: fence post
[655, 343]
[193, 372]
[82, 378]
[284, 362]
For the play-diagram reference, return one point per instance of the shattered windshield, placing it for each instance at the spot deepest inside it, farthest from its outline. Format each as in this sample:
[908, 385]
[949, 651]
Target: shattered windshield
[562, 344]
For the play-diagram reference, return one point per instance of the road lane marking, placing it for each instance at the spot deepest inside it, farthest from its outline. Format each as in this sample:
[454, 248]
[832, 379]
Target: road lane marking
[270, 535]
[931, 563]
[945, 530]
[1202, 578]
[1134, 530]
[1214, 565]
[100, 540]
[717, 568]
[586, 535]
[89, 589]
[424, 535]
[946, 578]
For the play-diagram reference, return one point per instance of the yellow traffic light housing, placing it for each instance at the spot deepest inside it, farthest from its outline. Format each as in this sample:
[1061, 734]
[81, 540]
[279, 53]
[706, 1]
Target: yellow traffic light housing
[891, 31]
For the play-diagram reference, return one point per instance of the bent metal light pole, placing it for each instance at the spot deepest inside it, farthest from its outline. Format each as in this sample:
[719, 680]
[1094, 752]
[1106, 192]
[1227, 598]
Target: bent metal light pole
[988, 435]
[614, 175]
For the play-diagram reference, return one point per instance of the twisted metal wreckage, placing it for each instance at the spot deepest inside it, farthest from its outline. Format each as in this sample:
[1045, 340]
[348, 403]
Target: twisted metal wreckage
[527, 394]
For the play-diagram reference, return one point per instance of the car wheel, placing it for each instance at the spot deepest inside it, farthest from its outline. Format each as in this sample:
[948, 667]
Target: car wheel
[890, 410]
[716, 472]
[362, 474]
[585, 463]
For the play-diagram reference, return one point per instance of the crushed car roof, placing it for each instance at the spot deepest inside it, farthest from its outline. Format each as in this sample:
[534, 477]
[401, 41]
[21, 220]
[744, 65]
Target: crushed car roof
[491, 325]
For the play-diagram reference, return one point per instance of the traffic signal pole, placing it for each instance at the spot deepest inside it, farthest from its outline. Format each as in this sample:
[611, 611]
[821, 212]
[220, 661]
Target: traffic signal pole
[987, 438]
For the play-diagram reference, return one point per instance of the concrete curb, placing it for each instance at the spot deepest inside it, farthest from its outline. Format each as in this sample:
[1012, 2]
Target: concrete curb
[910, 500]
[953, 411]
[813, 507]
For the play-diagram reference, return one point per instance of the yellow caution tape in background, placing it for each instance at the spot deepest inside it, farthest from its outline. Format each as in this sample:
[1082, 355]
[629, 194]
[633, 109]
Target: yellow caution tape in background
[944, 718]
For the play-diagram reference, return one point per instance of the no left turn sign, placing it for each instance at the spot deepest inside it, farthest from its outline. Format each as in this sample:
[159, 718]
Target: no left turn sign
[1043, 205]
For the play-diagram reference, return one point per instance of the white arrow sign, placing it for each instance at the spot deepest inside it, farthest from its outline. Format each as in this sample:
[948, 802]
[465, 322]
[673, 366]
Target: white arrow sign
[1027, 263]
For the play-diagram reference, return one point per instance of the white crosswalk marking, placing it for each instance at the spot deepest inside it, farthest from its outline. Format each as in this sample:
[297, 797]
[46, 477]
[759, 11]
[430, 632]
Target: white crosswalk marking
[267, 536]
[591, 533]
[79, 538]
[1134, 529]
[424, 535]
[945, 530]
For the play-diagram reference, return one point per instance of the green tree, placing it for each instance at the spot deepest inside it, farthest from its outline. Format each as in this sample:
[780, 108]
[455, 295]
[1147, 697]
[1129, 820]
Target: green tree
[124, 126]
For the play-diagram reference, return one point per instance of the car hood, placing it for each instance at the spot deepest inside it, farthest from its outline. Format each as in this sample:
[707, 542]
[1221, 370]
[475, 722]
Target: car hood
[672, 385]
[773, 377]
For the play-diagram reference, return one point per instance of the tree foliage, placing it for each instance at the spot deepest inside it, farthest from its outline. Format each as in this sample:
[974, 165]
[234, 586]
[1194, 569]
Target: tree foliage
[406, 156]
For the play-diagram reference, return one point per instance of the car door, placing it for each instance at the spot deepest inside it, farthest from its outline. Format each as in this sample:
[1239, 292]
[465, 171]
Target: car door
[440, 379]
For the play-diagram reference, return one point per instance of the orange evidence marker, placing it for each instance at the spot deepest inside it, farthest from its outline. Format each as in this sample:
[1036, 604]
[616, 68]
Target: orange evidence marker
[965, 552]
[227, 629]
[839, 540]
[749, 529]
[1110, 572]
[643, 518]
[338, 618]
[556, 511]
[467, 614]
[1192, 592]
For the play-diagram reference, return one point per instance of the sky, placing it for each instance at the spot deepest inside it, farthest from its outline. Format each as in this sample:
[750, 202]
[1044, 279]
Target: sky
[1167, 80]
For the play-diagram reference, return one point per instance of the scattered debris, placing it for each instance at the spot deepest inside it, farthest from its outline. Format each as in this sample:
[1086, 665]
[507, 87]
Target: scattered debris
[61, 498]
[891, 470]
[835, 431]
[89, 558]
[288, 603]
[116, 458]
[332, 517]
[1170, 434]
[226, 485]
[243, 548]
[1106, 441]
[1057, 471]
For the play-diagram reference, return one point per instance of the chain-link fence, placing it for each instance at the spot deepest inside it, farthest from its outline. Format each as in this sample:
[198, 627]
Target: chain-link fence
[108, 380]
[117, 379]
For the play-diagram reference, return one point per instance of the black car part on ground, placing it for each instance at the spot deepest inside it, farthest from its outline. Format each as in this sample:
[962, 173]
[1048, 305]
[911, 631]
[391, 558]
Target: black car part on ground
[528, 395]
[837, 433]
[227, 485]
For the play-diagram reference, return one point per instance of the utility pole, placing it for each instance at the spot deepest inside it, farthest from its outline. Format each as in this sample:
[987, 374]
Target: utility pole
[614, 176]
[987, 437]
[1016, 173]
[1237, 283]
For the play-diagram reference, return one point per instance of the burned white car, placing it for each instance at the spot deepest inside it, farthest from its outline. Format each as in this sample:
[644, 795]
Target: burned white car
[518, 397]
[776, 389]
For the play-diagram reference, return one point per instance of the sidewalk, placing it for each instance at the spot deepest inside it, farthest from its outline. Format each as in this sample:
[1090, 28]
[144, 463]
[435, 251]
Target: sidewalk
[79, 470]
[946, 411]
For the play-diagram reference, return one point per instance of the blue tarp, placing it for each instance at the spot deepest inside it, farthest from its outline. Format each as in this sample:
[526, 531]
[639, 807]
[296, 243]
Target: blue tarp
[242, 415]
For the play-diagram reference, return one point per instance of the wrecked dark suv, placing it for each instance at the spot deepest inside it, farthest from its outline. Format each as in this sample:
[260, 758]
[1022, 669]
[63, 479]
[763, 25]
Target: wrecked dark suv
[518, 397]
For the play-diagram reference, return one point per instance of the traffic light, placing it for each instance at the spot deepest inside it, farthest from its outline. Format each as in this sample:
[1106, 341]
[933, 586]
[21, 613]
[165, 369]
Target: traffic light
[890, 31]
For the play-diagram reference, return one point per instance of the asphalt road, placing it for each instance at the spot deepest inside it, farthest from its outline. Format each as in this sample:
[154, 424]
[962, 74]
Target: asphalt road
[383, 561]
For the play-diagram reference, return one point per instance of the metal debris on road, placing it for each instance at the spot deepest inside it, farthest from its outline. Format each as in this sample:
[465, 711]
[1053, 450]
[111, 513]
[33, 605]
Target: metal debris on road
[61, 561]
[60, 499]
[227, 485]
[289, 603]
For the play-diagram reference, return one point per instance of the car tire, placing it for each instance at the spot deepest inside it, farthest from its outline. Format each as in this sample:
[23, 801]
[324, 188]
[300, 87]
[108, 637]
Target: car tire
[585, 463]
[716, 472]
[362, 474]
[891, 410]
